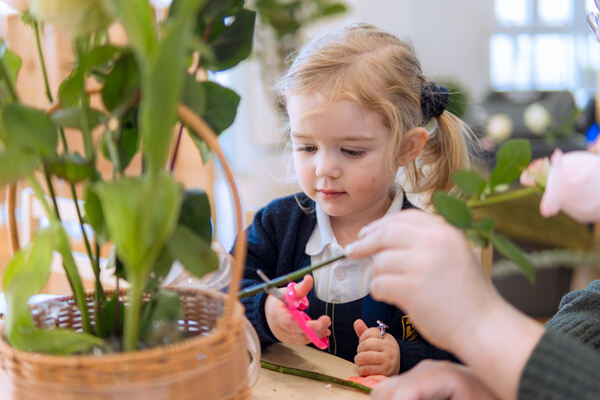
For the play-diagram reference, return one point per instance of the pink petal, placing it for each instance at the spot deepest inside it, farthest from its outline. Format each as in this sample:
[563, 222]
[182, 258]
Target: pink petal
[550, 204]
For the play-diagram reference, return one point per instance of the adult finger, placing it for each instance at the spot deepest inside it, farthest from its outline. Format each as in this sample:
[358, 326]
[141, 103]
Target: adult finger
[388, 288]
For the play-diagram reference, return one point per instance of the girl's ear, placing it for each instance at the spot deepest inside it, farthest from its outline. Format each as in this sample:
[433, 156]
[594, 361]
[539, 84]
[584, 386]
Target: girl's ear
[413, 142]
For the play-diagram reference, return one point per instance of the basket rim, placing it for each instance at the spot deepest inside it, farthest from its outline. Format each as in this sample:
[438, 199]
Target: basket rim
[220, 330]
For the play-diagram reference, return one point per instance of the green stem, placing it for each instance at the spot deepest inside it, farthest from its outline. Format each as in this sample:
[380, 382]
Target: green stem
[42, 61]
[52, 193]
[282, 280]
[314, 375]
[514, 194]
[68, 262]
[132, 315]
[94, 262]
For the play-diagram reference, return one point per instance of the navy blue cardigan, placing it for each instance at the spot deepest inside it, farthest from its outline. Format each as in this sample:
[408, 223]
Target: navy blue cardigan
[277, 240]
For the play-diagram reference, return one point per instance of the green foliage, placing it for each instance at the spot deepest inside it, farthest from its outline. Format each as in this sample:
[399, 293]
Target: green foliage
[24, 275]
[148, 218]
[512, 158]
[286, 17]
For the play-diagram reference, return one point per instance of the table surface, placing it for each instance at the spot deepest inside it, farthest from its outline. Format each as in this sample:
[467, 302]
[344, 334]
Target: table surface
[277, 386]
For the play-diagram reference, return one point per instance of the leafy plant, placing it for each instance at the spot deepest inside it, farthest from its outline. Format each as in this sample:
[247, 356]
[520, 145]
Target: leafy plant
[150, 219]
[477, 191]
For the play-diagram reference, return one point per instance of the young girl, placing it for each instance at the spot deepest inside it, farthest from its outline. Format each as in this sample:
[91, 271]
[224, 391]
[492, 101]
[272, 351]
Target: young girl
[357, 104]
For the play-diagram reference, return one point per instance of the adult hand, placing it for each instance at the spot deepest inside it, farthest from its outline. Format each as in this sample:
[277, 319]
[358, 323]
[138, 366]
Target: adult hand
[376, 354]
[424, 266]
[431, 380]
[283, 325]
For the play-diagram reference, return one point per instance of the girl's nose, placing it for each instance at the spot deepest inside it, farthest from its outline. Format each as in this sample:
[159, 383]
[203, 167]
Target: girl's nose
[327, 166]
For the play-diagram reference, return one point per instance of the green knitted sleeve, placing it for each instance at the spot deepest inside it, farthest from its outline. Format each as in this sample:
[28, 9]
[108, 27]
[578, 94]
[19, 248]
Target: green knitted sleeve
[560, 367]
[579, 315]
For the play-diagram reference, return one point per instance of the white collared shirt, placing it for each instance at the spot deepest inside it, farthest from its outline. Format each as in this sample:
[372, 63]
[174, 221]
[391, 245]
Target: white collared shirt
[345, 280]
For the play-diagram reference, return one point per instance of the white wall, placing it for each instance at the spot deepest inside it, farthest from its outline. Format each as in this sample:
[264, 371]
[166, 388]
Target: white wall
[450, 38]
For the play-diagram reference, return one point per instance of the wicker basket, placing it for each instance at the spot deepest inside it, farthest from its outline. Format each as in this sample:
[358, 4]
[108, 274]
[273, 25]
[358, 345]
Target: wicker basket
[211, 365]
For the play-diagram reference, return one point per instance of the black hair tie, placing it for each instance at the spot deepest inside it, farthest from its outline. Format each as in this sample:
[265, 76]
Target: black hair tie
[434, 100]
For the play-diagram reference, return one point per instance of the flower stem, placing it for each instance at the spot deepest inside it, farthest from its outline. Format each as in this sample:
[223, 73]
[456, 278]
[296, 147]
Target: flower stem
[282, 280]
[42, 61]
[314, 375]
[514, 194]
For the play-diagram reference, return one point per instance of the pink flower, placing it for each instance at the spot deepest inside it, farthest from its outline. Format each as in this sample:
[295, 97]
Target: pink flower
[573, 186]
[536, 173]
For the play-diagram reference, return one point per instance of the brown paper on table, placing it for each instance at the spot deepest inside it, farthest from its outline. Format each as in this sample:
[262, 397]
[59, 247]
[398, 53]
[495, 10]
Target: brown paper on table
[273, 385]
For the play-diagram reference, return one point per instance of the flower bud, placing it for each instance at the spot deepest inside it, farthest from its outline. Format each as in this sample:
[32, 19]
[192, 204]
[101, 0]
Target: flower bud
[77, 17]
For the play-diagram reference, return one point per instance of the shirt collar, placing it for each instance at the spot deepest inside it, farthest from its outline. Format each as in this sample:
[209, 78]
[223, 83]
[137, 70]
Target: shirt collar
[323, 236]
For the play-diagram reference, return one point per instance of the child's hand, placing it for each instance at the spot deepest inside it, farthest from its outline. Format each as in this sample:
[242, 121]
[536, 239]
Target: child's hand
[283, 325]
[375, 355]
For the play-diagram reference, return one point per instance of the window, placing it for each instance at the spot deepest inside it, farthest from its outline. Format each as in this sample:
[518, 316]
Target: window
[544, 45]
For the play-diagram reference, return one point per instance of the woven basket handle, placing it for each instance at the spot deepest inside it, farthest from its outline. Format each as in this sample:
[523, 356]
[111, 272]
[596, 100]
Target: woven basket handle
[206, 133]
[239, 253]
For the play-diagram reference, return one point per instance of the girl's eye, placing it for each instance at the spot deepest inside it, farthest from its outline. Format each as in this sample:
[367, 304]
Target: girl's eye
[306, 147]
[354, 153]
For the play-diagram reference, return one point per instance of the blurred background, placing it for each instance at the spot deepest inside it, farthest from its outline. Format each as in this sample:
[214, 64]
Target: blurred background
[515, 68]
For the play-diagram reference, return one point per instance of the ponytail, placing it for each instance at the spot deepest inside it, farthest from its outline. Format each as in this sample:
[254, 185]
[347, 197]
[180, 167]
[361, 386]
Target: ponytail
[446, 151]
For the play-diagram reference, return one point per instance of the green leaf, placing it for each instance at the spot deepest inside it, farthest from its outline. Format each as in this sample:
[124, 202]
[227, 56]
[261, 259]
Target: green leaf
[512, 158]
[160, 270]
[15, 165]
[100, 55]
[234, 43]
[205, 151]
[505, 247]
[94, 215]
[192, 251]
[334, 9]
[137, 18]
[161, 94]
[71, 167]
[126, 139]
[121, 83]
[71, 89]
[470, 182]
[216, 104]
[160, 319]
[56, 341]
[454, 210]
[111, 325]
[195, 213]
[28, 129]
[24, 275]
[11, 64]
[140, 214]
[480, 232]
[70, 117]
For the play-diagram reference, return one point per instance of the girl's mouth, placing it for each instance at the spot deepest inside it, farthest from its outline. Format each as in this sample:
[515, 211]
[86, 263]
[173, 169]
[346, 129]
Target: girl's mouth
[329, 194]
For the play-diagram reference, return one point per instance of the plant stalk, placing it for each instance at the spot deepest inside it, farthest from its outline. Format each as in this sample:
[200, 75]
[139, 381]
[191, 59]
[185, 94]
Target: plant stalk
[132, 315]
[38, 44]
[282, 280]
[94, 261]
[314, 375]
[514, 194]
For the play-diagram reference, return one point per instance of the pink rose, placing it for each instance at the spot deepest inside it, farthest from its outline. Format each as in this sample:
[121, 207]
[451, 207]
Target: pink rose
[536, 173]
[573, 186]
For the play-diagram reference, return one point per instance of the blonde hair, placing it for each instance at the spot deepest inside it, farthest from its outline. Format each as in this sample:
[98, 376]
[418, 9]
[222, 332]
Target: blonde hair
[381, 73]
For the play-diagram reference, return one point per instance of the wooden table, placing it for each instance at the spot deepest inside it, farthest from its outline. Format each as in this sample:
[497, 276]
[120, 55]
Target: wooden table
[277, 386]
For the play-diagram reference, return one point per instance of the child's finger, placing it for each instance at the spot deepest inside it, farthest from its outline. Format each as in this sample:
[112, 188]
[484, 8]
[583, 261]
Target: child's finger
[304, 287]
[320, 326]
[371, 343]
[359, 327]
[365, 358]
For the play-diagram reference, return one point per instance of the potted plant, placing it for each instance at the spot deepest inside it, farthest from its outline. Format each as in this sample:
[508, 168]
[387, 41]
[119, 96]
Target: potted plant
[150, 92]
